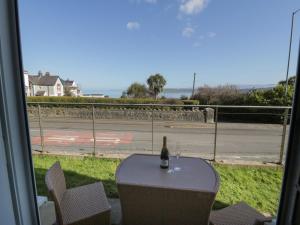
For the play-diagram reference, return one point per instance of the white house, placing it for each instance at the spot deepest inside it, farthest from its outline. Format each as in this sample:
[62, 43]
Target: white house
[45, 85]
[26, 83]
[72, 87]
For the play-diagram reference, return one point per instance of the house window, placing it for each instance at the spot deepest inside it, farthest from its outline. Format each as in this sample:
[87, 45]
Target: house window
[58, 88]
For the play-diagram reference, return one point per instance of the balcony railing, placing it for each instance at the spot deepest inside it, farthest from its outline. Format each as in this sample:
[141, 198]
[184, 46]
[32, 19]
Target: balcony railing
[215, 132]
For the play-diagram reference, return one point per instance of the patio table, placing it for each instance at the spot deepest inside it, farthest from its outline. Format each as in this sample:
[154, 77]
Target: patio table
[150, 195]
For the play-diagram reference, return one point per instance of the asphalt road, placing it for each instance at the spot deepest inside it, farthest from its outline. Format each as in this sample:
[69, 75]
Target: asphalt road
[258, 142]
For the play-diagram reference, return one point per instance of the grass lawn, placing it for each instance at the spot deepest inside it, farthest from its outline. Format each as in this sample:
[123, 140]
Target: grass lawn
[258, 186]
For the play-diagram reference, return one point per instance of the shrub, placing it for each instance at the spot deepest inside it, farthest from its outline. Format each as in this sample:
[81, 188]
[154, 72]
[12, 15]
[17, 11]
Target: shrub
[190, 102]
[129, 102]
[137, 90]
[220, 95]
[184, 97]
[275, 96]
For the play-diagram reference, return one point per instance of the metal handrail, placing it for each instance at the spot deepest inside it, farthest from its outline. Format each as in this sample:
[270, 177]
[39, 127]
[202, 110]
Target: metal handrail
[152, 108]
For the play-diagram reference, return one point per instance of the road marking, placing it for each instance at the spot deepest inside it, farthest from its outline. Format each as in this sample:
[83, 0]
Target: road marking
[33, 130]
[69, 138]
[107, 139]
[66, 138]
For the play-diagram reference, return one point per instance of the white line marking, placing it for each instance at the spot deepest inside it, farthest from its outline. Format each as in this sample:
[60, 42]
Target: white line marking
[107, 139]
[66, 138]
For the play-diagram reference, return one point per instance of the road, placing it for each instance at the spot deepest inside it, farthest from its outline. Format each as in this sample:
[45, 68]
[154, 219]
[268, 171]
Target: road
[259, 142]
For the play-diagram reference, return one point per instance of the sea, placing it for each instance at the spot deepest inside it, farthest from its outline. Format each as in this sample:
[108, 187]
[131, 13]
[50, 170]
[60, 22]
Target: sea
[117, 93]
[172, 92]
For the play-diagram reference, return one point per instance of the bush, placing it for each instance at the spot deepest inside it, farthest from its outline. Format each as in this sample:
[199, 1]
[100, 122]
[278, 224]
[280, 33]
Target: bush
[220, 95]
[137, 90]
[88, 100]
[184, 97]
[230, 95]
[273, 97]
[190, 102]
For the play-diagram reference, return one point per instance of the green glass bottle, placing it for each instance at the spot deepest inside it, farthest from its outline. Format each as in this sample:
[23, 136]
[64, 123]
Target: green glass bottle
[164, 155]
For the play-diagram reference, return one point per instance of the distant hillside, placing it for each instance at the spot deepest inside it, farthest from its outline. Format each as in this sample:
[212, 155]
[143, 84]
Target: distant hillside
[247, 88]
[176, 90]
[243, 88]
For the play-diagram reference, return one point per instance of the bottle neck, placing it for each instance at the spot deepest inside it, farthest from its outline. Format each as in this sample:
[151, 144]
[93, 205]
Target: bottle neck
[165, 142]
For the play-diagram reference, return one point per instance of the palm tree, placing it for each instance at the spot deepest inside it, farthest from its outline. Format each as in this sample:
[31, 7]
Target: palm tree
[156, 84]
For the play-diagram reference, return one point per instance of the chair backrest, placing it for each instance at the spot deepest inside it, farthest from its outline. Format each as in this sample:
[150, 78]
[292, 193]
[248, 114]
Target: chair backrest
[56, 185]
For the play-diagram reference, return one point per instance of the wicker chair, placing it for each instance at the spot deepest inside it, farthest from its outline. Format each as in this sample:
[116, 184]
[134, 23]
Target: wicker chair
[153, 206]
[238, 214]
[85, 205]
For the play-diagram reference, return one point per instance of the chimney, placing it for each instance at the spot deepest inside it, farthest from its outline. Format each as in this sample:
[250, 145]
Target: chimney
[47, 74]
[40, 73]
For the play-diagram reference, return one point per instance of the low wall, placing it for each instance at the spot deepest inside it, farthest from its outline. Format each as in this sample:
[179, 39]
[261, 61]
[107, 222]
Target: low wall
[205, 116]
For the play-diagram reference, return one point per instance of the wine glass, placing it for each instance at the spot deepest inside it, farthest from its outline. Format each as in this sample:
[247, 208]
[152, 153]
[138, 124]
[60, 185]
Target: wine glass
[171, 169]
[177, 153]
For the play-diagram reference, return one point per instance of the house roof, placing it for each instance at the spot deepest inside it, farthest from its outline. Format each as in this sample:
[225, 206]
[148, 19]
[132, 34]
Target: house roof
[68, 82]
[46, 80]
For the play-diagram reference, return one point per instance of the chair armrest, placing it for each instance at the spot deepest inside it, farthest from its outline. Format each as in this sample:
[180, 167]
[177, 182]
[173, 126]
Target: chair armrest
[263, 221]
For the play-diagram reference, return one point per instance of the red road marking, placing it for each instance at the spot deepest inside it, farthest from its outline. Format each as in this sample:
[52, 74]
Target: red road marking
[68, 138]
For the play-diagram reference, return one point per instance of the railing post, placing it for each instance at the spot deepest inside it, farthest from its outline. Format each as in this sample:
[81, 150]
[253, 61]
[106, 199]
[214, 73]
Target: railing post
[41, 129]
[94, 133]
[216, 133]
[152, 128]
[285, 120]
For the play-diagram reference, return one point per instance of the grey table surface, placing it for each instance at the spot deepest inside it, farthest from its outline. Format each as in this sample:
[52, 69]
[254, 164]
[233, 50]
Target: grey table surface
[144, 170]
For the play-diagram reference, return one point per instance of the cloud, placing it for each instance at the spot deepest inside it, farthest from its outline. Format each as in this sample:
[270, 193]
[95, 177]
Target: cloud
[192, 7]
[188, 32]
[211, 34]
[132, 25]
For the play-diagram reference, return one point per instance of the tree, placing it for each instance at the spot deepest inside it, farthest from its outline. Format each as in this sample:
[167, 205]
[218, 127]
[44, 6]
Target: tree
[220, 95]
[124, 94]
[156, 84]
[275, 96]
[291, 81]
[67, 91]
[184, 97]
[137, 90]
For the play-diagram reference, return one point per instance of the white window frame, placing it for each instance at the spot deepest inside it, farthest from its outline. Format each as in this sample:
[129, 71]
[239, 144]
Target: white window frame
[17, 184]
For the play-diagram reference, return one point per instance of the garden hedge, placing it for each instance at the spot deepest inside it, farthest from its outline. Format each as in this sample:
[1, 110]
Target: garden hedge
[127, 101]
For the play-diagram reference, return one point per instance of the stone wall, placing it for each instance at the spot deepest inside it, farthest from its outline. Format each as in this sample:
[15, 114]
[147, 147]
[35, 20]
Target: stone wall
[205, 116]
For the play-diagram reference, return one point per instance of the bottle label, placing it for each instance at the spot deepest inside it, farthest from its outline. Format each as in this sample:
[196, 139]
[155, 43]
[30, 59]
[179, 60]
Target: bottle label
[164, 163]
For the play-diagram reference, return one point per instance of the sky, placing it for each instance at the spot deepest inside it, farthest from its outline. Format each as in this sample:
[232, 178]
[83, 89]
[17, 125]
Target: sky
[109, 44]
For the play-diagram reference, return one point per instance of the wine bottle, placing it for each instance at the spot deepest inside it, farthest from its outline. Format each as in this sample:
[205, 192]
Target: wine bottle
[164, 155]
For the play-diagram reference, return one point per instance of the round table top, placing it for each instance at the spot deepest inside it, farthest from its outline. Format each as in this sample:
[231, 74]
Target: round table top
[144, 170]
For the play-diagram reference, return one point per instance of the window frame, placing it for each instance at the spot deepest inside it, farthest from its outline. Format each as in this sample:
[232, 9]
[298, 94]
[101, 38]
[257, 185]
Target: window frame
[17, 183]
[290, 191]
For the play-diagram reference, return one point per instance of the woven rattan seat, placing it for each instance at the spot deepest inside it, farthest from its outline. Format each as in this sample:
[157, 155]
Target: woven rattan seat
[84, 205]
[238, 214]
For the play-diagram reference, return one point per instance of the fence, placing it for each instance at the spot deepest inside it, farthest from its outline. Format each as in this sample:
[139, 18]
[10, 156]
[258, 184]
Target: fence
[98, 128]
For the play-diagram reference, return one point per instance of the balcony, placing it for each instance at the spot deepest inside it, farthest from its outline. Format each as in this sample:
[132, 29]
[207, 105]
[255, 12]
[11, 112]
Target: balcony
[90, 141]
